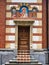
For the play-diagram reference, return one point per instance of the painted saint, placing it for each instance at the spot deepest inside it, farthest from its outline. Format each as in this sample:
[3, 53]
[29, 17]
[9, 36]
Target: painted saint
[24, 13]
[13, 11]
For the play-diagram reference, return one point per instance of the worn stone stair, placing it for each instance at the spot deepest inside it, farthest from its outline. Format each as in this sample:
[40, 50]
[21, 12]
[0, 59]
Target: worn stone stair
[23, 58]
[15, 62]
[23, 64]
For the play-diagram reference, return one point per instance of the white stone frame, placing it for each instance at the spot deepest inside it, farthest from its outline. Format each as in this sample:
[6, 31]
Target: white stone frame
[16, 35]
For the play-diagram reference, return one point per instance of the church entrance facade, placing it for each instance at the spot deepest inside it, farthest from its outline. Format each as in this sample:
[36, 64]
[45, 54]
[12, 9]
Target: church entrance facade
[26, 20]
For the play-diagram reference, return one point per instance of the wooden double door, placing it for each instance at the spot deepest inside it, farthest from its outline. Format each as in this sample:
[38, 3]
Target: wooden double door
[23, 37]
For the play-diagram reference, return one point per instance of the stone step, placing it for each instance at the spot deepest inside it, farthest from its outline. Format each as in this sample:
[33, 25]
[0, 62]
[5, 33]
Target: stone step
[23, 58]
[30, 58]
[23, 64]
[15, 61]
[24, 53]
[20, 60]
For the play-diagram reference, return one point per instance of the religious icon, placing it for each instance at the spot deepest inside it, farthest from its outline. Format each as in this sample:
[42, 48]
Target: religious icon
[24, 13]
[13, 11]
[35, 10]
[34, 14]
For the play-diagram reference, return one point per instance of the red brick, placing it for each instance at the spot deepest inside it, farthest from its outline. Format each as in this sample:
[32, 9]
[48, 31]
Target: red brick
[2, 23]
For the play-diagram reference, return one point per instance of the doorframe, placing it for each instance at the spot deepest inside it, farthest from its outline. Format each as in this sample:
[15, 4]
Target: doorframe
[16, 36]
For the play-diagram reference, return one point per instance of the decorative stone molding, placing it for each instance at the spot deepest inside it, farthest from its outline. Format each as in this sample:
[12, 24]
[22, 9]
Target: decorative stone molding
[24, 21]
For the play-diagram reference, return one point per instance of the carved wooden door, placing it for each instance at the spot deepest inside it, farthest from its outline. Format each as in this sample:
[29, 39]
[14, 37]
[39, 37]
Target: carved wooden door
[23, 37]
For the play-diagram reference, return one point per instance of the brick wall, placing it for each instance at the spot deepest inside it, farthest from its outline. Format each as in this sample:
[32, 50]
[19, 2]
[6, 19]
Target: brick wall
[2, 23]
[48, 23]
[44, 25]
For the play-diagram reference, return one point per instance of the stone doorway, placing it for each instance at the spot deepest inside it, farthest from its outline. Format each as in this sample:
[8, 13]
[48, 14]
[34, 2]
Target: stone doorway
[23, 37]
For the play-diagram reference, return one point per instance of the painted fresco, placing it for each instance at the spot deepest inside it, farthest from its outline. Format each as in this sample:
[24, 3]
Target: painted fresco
[23, 12]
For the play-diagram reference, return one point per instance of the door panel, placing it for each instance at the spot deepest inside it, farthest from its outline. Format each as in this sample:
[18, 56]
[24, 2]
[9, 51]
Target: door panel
[23, 37]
